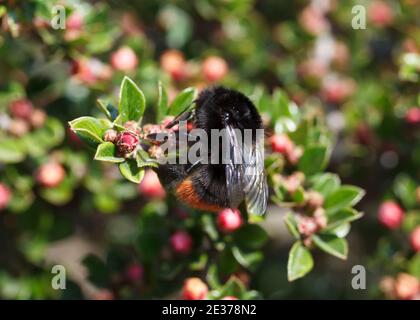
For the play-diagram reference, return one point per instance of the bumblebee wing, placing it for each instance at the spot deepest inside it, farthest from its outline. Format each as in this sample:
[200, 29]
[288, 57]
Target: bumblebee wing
[245, 177]
[255, 181]
[233, 167]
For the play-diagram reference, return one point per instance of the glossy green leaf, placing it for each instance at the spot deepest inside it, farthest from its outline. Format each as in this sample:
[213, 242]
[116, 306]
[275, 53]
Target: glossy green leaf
[345, 196]
[132, 102]
[313, 160]
[90, 129]
[300, 262]
[182, 101]
[291, 225]
[250, 236]
[131, 171]
[106, 152]
[331, 244]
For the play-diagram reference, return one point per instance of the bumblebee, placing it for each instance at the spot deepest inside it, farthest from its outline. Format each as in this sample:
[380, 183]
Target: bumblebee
[214, 186]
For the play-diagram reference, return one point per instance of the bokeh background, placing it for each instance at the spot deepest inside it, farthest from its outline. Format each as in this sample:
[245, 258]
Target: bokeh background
[58, 206]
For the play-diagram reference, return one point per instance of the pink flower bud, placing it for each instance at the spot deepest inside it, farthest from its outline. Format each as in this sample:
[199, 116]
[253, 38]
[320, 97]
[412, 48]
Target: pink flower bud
[124, 59]
[412, 116]
[314, 199]
[415, 239]
[194, 289]
[380, 14]
[390, 214]
[37, 118]
[21, 108]
[151, 187]
[406, 286]
[126, 143]
[307, 226]
[215, 68]
[181, 242]
[5, 196]
[134, 272]
[281, 143]
[50, 174]
[320, 218]
[229, 220]
[173, 62]
[110, 135]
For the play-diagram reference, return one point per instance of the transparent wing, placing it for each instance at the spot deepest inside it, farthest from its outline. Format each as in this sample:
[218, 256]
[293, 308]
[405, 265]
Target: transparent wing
[245, 177]
[233, 166]
[255, 181]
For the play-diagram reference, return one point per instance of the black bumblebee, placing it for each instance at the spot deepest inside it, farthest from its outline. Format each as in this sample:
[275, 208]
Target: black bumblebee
[213, 187]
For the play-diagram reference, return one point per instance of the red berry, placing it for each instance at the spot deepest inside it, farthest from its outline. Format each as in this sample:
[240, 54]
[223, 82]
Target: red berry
[413, 116]
[151, 187]
[173, 62]
[229, 298]
[5, 196]
[215, 68]
[380, 14]
[124, 59]
[127, 142]
[229, 220]
[406, 286]
[415, 239]
[281, 143]
[181, 242]
[74, 21]
[194, 289]
[135, 272]
[50, 174]
[21, 108]
[390, 214]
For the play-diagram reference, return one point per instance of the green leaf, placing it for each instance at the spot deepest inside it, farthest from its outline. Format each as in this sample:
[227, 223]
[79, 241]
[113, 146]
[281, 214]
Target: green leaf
[313, 160]
[405, 188]
[291, 225]
[108, 109]
[132, 101]
[247, 260]
[300, 262]
[130, 171]
[325, 183]
[343, 216]
[90, 129]
[331, 244]
[11, 151]
[233, 287]
[106, 152]
[144, 160]
[162, 102]
[340, 231]
[209, 226]
[414, 265]
[250, 236]
[182, 101]
[345, 196]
